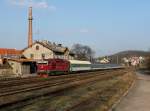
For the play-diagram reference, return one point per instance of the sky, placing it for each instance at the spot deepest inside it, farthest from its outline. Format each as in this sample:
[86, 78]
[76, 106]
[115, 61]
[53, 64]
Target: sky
[107, 26]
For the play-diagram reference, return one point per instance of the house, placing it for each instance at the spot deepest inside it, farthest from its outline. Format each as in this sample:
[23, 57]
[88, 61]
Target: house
[46, 50]
[10, 53]
[104, 61]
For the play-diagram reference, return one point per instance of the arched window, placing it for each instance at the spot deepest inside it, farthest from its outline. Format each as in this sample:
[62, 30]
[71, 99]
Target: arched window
[37, 47]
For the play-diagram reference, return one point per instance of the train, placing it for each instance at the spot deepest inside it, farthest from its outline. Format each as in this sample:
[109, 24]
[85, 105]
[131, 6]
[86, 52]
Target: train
[56, 66]
[61, 66]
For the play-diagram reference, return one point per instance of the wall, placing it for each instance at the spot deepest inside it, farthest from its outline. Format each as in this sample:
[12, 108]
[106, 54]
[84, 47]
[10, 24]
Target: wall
[6, 72]
[16, 67]
[38, 53]
[25, 69]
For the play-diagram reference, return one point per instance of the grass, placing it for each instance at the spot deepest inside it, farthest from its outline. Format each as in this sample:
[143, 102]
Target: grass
[94, 96]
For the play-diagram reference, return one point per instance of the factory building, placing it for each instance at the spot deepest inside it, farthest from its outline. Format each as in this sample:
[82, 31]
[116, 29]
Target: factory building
[45, 50]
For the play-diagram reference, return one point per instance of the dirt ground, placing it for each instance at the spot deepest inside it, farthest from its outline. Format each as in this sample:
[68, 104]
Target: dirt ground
[94, 96]
[139, 97]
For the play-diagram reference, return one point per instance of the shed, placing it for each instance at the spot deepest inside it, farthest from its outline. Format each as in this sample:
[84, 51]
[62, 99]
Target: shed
[23, 67]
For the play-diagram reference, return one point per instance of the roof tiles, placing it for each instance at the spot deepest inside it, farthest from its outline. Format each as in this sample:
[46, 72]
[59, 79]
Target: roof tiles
[4, 51]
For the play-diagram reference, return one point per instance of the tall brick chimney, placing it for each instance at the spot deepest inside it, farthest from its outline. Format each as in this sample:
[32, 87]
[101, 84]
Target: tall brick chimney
[30, 27]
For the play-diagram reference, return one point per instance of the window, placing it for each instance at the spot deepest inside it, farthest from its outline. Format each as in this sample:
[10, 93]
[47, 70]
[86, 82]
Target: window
[43, 56]
[31, 56]
[37, 47]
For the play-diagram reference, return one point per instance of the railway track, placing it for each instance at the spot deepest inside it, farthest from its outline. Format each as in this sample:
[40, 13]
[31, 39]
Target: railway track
[21, 81]
[53, 87]
[42, 84]
[12, 89]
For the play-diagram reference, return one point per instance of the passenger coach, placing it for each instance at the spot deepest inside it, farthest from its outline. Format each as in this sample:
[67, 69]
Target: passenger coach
[77, 65]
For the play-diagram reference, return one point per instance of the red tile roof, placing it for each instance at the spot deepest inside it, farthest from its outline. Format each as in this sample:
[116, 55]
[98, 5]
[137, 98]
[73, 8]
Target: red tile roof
[4, 51]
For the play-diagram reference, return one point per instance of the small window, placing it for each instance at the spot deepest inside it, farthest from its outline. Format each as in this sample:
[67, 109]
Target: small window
[43, 56]
[37, 47]
[31, 56]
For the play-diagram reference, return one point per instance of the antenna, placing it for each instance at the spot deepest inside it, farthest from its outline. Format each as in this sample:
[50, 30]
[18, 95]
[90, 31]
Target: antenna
[37, 29]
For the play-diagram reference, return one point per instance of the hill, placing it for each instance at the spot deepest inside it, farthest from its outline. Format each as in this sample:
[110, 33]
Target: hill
[132, 53]
[117, 58]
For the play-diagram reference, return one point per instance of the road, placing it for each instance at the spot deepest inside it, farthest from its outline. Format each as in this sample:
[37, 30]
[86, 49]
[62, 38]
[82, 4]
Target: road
[138, 98]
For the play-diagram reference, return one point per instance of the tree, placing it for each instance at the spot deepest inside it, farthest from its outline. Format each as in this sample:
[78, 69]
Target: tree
[83, 52]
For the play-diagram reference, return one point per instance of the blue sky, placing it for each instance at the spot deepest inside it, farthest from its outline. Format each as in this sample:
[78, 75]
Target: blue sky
[107, 26]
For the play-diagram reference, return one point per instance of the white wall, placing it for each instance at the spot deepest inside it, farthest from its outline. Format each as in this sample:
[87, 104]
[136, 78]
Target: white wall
[16, 67]
[38, 53]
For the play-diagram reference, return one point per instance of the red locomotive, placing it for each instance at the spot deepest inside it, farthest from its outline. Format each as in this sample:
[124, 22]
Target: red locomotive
[53, 66]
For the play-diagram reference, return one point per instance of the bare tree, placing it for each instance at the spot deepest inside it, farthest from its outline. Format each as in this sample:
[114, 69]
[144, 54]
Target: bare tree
[83, 52]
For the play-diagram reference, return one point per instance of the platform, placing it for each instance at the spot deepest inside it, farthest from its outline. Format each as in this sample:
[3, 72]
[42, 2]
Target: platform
[138, 98]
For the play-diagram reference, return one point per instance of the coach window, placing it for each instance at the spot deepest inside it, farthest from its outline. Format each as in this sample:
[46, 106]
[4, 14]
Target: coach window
[37, 47]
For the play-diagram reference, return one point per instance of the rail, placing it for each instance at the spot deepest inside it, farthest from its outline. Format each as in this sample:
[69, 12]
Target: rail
[53, 87]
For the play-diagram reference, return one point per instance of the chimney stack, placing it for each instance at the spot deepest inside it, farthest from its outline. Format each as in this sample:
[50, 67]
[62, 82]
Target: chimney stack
[30, 27]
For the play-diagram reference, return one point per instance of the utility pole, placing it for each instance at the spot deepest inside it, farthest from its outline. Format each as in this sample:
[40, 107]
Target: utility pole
[117, 60]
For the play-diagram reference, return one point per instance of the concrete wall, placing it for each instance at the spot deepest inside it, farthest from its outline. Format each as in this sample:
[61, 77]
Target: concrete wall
[16, 67]
[6, 72]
